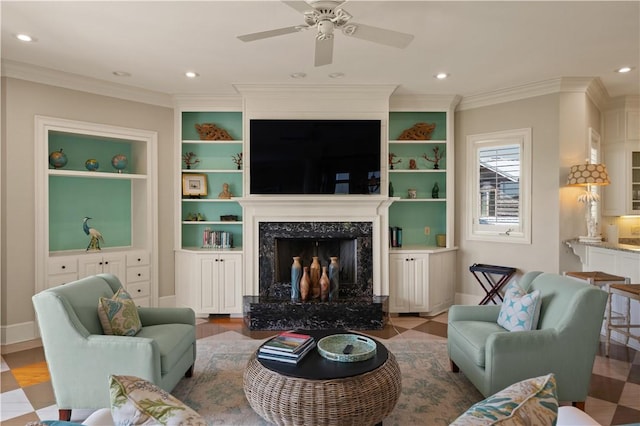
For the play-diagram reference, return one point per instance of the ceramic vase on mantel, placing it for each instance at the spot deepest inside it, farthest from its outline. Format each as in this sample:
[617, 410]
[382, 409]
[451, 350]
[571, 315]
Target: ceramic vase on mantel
[296, 275]
[324, 285]
[334, 278]
[305, 284]
[314, 275]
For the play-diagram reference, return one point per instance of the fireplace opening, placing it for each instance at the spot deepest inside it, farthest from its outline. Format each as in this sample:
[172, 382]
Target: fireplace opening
[306, 249]
[351, 242]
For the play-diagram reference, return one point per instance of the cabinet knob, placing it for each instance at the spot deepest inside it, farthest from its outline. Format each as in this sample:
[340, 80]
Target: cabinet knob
[64, 267]
[221, 260]
[139, 274]
[106, 263]
[99, 263]
[139, 291]
[139, 260]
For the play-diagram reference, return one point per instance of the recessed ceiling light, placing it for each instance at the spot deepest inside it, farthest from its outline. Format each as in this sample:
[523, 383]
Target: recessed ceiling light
[191, 74]
[298, 75]
[26, 38]
[441, 75]
[624, 69]
[336, 75]
[121, 74]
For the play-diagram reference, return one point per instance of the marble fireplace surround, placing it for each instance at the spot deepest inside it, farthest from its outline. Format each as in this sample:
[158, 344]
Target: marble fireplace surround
[367, 304]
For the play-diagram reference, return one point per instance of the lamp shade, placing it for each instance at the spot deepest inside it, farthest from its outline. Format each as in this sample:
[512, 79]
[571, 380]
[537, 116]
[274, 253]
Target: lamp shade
[588, 174]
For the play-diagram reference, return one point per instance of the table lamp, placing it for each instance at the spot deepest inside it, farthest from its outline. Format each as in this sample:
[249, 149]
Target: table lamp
[588, 175]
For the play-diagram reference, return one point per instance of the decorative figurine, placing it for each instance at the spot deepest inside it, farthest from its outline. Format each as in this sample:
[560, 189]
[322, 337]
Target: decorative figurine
[237, 159]
[58, 159]
[225, 194]
[437, 156]
[392, 157]
[96, 236]
[190, 159]
[412, 164]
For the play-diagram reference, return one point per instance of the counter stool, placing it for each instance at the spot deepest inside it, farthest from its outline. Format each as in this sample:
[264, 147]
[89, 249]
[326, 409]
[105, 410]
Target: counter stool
[604, 281]
[628, 291]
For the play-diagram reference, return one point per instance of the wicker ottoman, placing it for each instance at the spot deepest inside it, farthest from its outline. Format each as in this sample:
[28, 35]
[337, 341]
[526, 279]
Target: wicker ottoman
[363, 399]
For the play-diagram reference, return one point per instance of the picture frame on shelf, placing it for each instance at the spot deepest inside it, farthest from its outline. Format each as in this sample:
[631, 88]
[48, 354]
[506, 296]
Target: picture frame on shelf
[194, 184]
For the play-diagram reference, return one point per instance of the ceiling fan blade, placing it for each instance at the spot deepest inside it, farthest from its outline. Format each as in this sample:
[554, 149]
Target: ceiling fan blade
[271, 33]
[324, 52]
[378, 35]
[299, 5]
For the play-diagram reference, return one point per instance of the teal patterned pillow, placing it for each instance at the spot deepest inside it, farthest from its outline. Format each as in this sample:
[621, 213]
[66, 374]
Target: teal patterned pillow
[520, 310]
[119, 315]
[135, 401]
[529, 402]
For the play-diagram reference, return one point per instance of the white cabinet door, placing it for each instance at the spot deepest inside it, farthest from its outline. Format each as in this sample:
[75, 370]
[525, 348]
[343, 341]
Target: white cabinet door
[614, 195]
[219, 284]
[113, 263]
[409, 282]
[399, 284]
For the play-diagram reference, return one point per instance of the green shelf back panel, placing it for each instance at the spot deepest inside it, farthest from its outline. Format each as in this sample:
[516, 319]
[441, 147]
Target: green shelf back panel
[399, 121]
[229, 121]
[406, 152]
[413, 217]
[211, 211]
[80, 148]
[215, 181]
[213, 155]
[192, 234]
[71, 199]
[422, 182]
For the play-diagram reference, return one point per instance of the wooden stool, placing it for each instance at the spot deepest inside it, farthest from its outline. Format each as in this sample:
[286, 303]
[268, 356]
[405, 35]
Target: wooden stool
[605, 281]
[628, 291]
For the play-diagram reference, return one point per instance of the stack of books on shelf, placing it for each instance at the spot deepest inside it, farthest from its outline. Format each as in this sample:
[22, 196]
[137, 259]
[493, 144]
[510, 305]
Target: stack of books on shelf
[216, 239]
[287, 347]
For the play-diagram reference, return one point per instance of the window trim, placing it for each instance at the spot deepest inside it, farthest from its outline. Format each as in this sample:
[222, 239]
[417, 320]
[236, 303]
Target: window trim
[476, 232]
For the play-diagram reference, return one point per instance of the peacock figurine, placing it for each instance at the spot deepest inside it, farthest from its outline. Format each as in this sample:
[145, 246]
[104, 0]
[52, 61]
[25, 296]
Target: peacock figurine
[95, 235]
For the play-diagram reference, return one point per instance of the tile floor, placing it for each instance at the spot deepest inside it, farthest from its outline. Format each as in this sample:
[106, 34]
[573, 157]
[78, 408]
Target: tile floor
[614, 397]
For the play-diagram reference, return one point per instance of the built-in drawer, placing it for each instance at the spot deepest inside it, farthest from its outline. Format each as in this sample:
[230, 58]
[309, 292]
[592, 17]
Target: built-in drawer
[137, 258]
[63, 265]
[142, 302]
[138, 289]
[138, 273]
[55, 280]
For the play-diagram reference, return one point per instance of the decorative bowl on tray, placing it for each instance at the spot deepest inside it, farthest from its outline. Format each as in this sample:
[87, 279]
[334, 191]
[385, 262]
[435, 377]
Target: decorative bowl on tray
[347, 347]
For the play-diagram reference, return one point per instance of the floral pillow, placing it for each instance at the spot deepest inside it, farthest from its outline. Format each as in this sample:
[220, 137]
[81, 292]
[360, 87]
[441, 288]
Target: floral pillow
[529, 402]
[135, 401]
[520, 310]
[119, 315]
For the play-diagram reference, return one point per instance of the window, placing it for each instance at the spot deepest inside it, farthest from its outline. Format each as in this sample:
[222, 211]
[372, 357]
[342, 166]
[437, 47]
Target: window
[499, 186]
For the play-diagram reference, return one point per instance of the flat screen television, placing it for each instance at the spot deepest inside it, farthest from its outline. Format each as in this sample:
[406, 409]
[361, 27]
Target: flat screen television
[314, 157]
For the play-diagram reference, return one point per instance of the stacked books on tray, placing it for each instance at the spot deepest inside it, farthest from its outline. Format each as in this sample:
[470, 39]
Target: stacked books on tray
[287, 347]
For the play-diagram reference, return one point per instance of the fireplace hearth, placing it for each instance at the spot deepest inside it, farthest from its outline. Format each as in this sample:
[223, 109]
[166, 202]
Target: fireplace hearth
[351, 242]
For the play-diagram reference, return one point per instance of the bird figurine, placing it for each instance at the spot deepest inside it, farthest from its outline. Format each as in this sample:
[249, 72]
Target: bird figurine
[95, 235]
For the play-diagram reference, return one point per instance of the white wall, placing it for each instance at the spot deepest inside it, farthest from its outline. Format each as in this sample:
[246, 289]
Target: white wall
[543, 115]
[22, 101]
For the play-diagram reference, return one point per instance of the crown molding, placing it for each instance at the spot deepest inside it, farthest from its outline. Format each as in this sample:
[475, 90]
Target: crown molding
[423, 102]
[208, 102]
[591, 86]
[36, 74]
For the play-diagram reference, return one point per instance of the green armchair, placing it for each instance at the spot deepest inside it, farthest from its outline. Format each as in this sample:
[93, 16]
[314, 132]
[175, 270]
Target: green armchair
[565, 342]
[81, 358]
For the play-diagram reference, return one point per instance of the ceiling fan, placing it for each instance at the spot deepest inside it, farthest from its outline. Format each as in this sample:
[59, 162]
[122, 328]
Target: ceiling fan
[325, 16]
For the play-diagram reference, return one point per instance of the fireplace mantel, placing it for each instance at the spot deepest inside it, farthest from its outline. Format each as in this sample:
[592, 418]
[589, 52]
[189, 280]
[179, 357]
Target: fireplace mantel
[320, 208]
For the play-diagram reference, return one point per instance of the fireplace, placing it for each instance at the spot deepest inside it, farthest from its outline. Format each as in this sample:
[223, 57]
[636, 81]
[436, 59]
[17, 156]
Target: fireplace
[355, 308]
[351, 242]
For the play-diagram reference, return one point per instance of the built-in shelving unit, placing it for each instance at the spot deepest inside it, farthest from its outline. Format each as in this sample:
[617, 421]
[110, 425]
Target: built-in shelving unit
[120, 203]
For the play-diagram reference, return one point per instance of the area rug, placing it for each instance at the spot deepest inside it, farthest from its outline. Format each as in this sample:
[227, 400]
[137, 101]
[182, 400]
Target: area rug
[431, 394]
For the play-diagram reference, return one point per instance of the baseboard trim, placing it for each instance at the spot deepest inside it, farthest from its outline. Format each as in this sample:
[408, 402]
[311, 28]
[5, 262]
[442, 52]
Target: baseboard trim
[18, 333]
